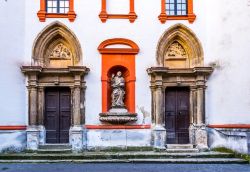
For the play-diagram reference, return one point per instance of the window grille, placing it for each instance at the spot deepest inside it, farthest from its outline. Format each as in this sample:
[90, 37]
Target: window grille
[57, 6]
[176, 7]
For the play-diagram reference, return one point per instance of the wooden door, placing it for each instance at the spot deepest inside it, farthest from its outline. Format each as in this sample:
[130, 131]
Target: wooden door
[57, 115]
[177, 115]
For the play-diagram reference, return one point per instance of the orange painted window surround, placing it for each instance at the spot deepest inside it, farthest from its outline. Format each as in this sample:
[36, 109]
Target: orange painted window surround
[163, 17]
[131, 16]
[118, 59]
[42, 14]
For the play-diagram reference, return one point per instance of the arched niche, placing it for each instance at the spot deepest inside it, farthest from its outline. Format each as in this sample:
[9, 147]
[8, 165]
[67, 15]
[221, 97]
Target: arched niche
[118, 54]
[179, 48]
[57, 47]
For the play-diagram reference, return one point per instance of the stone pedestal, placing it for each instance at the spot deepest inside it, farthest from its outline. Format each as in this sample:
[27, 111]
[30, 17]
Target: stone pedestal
[36, 135]
[76, 138]
[118, 115]
[33, 134]
[198, 135]
[159, 136]
[42, 135]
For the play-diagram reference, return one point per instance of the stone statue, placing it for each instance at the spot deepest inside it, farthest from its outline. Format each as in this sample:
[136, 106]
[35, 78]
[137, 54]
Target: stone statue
[118, 114]
[118, 90]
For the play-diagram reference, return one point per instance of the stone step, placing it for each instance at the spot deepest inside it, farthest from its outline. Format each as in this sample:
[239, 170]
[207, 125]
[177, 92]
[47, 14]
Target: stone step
[175, 161]
[180, 146]
[182, 150]
[55, 146]
[55, 151]
[113, 155]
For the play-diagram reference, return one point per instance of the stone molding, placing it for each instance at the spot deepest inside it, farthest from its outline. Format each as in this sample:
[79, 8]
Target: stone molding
[39, 78]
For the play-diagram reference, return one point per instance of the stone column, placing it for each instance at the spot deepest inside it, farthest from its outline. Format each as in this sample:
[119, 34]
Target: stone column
[200, 127]
[42, 131]
[76, 106]
[159, 129]
[76, 131]
[33, 115]
[200, 105]
[193, 100]
[33, 129]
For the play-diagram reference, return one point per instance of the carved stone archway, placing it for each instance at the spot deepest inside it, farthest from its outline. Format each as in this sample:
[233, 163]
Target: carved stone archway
[56, 62]
[52, 36]
[182, 45]
[180, 38]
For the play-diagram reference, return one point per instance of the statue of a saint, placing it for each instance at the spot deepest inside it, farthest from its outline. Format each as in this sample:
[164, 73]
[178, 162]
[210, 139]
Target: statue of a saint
[118, 90]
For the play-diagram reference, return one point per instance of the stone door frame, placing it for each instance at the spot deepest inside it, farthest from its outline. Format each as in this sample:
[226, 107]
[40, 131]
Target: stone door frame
[40, 78]
[193, 78]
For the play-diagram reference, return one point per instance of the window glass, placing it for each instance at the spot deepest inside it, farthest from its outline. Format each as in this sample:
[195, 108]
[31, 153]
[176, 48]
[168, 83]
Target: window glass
[57, 6]
[176, 7]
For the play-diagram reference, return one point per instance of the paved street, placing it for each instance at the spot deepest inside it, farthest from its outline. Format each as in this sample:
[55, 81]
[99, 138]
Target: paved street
[123, 167]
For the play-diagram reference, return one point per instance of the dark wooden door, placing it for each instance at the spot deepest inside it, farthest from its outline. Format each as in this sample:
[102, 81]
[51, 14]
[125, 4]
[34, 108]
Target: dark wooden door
[177, 115]
[57, 115]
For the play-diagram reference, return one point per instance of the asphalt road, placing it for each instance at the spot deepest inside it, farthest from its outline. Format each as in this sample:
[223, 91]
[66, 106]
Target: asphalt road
[123, 167]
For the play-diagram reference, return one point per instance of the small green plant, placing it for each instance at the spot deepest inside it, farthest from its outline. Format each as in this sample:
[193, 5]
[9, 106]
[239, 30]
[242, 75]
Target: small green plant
[236, 154]
[223, 149]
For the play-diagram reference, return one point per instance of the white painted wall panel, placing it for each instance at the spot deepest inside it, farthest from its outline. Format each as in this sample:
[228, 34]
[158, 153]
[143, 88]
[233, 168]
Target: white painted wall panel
[118, 6]
[12, 82]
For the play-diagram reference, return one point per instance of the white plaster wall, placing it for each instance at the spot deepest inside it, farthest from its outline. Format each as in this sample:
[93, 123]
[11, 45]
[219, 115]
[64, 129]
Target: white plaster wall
[221, 26]
[227, 44]
[118, 138]
[12, 82]
[232, 139]
[12, 141]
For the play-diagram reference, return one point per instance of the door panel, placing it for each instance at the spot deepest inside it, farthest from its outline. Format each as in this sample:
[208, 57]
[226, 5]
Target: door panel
[57, 115]
[177, 115]
[64, 116]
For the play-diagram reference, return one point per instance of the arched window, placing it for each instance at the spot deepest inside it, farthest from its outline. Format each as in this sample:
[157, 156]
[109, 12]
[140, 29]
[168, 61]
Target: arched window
[56, 9]
[177, 10]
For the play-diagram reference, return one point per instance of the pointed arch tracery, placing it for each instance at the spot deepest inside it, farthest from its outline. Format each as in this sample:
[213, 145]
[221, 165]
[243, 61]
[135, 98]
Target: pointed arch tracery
[56, 46]
[179, 48]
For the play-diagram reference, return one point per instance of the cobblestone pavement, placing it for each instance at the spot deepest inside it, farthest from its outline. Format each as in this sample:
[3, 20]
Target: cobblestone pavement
[124, 167]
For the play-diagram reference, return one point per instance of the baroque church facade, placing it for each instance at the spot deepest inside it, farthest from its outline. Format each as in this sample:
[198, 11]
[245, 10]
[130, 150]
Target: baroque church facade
[101, 74]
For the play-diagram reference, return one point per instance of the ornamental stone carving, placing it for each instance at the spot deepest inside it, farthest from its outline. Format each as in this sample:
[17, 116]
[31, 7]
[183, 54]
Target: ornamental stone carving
[176, 50]
[60, 52]
[179, 47]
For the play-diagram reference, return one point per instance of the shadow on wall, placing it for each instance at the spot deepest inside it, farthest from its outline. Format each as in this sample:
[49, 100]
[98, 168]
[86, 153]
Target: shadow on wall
[12, 141]
[234, 139]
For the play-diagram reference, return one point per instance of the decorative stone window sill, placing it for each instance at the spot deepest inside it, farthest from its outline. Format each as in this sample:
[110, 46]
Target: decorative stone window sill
[131, 17]
[163, 17]
[42, 15]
